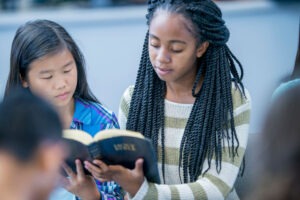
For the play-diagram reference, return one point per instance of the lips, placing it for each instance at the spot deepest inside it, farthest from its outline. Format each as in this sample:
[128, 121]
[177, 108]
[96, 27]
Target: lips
[63, 95]
[163, 71]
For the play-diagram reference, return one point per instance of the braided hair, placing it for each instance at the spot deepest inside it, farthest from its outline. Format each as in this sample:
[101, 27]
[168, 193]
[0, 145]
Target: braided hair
[211, 117]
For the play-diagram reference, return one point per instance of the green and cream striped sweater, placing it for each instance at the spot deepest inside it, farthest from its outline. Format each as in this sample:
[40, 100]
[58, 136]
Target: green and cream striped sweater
[212, 185]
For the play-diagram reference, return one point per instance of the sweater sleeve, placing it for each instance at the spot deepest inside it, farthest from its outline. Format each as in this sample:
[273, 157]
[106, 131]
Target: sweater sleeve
[124, 107]
[212, 185]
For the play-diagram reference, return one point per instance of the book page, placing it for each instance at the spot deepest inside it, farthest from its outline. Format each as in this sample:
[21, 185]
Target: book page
[110, 133]
[78, 135]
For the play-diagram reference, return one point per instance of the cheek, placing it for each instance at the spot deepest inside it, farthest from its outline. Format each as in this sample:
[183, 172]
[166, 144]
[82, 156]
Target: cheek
[39, 87]
[152, 54]
[187, 59]
[73, 78]
[43, 92]
[8, 170]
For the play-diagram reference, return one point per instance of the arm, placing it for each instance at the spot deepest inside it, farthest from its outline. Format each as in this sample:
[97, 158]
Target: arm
[79, 184]
[124, 107]
[212, 185]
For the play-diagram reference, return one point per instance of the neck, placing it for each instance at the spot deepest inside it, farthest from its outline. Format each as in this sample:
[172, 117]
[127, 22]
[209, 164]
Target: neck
[66, 114]
[181, 92]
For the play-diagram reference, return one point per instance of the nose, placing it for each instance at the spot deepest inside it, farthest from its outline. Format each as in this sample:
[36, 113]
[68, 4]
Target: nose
[60, 83]
[163, 56]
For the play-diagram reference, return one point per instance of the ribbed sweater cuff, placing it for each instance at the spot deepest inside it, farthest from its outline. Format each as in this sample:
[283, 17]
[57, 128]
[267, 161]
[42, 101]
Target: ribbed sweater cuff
[141, 193]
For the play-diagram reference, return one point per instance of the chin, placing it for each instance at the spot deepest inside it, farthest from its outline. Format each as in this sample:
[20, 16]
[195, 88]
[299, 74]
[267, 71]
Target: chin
[162, 77]
[62, 103]
[165, 79]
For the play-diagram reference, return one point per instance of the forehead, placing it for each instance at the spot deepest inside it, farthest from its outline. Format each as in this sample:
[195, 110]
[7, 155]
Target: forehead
[52, 61]
[169, 25]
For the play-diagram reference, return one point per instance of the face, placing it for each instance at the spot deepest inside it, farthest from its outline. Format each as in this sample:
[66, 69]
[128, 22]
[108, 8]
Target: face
[173, 49]
[54, 78]
[40, 174]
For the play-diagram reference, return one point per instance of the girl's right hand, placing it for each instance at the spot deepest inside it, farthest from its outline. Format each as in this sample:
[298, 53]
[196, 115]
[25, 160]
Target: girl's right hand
[129, 179]
[80, 184]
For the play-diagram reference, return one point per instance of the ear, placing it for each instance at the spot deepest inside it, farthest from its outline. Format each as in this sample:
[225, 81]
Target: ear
[202, 49]
[46, 168]
[24, 81]
[50, 157]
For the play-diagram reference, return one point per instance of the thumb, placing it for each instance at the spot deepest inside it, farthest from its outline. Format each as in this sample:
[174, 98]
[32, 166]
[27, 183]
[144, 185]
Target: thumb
[139, 166]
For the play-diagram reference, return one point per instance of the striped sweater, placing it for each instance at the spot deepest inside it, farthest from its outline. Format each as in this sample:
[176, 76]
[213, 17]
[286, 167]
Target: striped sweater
[212, 185]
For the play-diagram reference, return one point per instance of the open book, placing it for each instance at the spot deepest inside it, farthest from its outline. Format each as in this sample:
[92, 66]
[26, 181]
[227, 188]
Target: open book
[114, 147]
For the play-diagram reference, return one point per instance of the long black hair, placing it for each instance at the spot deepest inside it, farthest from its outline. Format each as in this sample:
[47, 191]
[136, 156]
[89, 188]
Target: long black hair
[212, 113]
[40, 38]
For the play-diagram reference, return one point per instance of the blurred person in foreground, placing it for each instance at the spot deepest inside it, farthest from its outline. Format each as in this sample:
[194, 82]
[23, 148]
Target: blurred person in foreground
[31, 152]
[294, 80]
[279, 174]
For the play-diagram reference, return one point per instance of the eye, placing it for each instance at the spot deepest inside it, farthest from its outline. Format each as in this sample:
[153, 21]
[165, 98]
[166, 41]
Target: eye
[177, 51]
[176, 48]
[154, 44]
[67, 71]
[47, 77]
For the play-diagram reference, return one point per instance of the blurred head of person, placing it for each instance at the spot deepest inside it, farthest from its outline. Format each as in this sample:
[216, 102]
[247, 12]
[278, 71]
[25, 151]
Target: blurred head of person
[279, 174]
[30, 147]
[296, 71]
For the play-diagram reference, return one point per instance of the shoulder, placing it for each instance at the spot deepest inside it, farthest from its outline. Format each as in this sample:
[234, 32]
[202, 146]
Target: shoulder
[128, 93]
[284, 87]
[125, 100]
[241, 109]
[98, 113]
[239, 99]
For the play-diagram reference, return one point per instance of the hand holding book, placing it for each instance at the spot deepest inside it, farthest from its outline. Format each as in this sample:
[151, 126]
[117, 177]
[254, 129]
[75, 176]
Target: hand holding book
[113, 147]
[79, 184]
[130, 180]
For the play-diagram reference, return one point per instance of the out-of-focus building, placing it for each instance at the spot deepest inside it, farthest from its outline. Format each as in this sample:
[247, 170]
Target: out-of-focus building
[13, 5]
[263, 36]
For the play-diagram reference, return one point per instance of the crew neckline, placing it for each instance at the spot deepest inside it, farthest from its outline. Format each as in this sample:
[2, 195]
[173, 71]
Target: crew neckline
[178, 104]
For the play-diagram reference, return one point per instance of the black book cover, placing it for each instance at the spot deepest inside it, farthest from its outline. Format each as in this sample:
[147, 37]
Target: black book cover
[114, 147]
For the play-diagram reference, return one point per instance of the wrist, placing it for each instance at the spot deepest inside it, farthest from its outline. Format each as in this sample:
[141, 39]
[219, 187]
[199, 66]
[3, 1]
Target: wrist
[134, 188]
[141, 193]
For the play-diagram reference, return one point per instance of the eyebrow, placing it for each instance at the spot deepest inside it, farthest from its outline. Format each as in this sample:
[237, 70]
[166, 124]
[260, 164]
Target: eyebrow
[171, 41]
[65, 65]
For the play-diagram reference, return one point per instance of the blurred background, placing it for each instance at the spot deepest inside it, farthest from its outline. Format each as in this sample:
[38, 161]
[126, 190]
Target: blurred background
[110, 33]
[28, 4]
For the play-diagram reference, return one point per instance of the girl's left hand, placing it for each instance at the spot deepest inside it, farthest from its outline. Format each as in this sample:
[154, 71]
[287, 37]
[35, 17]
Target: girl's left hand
[130, 180]
[80, 184]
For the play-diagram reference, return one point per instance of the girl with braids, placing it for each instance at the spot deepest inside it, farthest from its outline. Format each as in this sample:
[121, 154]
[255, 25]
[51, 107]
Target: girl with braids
[190, 101]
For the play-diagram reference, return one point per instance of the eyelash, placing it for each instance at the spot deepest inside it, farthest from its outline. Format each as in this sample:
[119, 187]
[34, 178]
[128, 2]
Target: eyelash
[67, 71]
[155, 46]
[177, 51]
[174, 51]
[47, 78]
